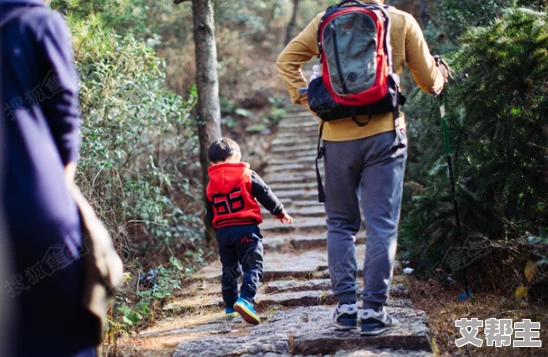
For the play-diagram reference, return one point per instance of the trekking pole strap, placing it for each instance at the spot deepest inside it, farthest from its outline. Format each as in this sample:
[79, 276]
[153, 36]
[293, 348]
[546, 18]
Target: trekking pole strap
[319, 156]
[450, 71]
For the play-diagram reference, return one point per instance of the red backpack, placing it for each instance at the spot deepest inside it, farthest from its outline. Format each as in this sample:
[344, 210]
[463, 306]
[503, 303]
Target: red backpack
[357, 75]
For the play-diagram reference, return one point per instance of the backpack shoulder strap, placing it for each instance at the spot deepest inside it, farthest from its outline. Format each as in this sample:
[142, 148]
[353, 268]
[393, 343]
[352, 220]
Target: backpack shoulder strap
[16, 13]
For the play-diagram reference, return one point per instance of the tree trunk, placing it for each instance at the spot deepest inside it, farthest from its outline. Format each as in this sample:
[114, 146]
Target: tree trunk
[208, 107]
[292, 22]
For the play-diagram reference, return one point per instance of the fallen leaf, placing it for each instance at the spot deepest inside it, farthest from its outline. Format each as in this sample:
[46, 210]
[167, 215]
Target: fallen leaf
[530, 270]
[521, 292]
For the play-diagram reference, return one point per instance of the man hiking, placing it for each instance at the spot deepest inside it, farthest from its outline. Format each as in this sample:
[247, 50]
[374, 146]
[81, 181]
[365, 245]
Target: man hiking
[364, 155]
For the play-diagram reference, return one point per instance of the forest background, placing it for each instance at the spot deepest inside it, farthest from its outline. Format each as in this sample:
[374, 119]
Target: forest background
[139, 161]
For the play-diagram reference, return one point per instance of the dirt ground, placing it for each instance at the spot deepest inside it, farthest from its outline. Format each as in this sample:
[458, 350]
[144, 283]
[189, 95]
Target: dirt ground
[442, 308]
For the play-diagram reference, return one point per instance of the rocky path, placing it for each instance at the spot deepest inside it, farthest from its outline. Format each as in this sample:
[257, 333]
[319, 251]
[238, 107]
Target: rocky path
[295, 301]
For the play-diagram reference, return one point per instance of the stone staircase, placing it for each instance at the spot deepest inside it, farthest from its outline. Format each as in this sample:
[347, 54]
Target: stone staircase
[295, 301]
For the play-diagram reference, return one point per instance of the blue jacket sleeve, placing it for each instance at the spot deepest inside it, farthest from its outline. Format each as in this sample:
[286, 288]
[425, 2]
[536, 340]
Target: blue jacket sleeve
[60, 86]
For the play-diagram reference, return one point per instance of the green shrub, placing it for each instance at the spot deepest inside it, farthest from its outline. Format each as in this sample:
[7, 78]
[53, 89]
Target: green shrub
[498, 131]
[139, 147]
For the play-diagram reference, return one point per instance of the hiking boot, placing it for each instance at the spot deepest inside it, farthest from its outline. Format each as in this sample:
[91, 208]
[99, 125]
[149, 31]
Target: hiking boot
[374, 323]
[245, 309]
[345, 317]
[230, 313]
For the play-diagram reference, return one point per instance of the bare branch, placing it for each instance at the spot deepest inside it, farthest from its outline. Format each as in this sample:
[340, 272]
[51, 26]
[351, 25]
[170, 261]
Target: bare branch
[180, 1]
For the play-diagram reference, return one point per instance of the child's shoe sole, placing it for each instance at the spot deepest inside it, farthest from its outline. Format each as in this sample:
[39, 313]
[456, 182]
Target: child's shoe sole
[231, 315]
[248, 315]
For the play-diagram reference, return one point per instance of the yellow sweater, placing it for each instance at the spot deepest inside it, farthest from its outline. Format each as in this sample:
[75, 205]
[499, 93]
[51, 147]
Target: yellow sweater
[408, 45]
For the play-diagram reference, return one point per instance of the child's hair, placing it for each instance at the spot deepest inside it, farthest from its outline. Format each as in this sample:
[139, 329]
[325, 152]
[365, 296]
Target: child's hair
[222, 149]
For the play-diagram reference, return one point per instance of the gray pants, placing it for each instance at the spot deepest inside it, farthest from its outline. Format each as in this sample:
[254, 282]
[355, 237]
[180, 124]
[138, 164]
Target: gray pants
[369, 170]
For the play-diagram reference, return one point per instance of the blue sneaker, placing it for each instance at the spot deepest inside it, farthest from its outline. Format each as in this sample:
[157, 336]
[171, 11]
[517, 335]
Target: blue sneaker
[245, 309]
[230, 313]
[374, 323]
[345, 317]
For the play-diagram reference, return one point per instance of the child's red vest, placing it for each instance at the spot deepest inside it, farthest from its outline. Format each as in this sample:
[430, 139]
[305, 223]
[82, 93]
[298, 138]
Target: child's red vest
[229, 191]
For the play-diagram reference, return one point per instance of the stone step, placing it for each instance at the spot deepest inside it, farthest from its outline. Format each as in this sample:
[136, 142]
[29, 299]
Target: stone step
[297, 122]
[298, 194]
[309, 130]
[297, 213]
[293, 194]
[313, 298]
[316, 210]
[283, 286]
[286, 201]
[296, 177]
[298, 204]
[199, 302]
[305, 331]
[307, 161]
[298, 115]
[312, 334]
[303, 224]
[398, 289]
[298, 298]
[382, 353]
[290, 113]
[296, 133]
[290, 168]
[295, 142]
[280, 289]
[306, 203]
[309, 149]
[283, 153]
[294, 186]
[301, 241]
[295, 109]
[289, 156]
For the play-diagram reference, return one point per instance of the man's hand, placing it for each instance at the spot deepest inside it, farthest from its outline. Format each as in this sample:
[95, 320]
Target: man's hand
[285, 218]
[305, 104]
[444, 72]
[70, 172]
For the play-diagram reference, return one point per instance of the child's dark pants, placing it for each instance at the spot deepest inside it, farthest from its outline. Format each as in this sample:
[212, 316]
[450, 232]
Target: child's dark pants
[240, 248]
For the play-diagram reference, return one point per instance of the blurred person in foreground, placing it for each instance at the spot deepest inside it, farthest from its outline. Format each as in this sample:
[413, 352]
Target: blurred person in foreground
[4, 256]
[39, 91]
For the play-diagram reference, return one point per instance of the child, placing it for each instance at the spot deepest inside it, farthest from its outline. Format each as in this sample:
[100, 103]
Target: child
[232, 195]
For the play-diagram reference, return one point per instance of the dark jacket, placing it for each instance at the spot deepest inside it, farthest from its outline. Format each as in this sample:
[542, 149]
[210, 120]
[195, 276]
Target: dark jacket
[39, 91]
[232, 195]
[39, 95]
